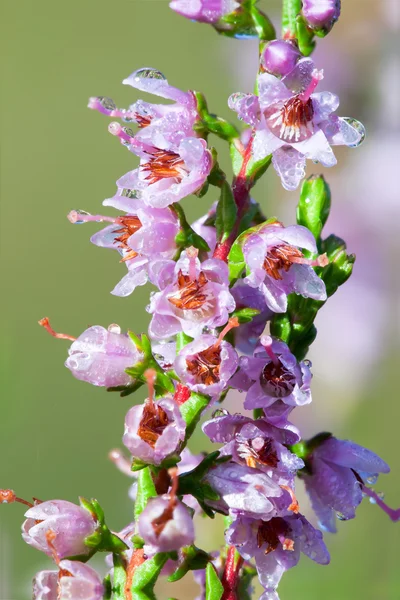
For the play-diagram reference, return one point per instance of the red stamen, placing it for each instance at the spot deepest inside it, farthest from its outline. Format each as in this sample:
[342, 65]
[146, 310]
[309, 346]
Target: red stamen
[232, 323]
[266, 341]
[61, 336]
[294, 506]
[120, 461]
[150, 375]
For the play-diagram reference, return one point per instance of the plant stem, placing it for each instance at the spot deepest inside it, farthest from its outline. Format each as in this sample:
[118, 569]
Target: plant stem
[230, 577]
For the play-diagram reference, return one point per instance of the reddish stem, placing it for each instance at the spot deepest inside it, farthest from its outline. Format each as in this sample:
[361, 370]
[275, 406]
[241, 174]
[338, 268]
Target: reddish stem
[137, 559]
[240, 188]
[230, 577]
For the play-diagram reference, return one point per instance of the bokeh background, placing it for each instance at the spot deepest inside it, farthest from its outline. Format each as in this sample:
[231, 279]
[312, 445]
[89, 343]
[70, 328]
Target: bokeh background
[55, 432]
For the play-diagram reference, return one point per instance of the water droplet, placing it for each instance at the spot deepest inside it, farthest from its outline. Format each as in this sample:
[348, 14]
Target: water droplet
[130, 193]
[74, 216]
[114, 328]
[107, 103]
[372, 479]
[381, 495]
[128, 131]
[360, 129]
[372, 500]
[307, 362]
[147, 73]
[341, 517]
[220, 412]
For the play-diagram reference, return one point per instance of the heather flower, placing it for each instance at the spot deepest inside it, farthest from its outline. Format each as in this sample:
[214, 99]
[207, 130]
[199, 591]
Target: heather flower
[204, 11]
[166, 174]
[58, 528]
[336, 477]
[100, 356]
[165, 525]
[277, 266]
[276, 545]
[198, 297]
[321, 14]
[154, 430]
[244, 490]
[293, 123]
[73, 580]
[248, 334]
[159, 125]
[143, 236]
[206, 364]
[272, 375]
[257, 444]
[279, 57]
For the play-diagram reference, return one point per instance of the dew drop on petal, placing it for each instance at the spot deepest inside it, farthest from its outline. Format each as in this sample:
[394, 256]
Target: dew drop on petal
[341, 517]
[359, 127]
[147, 73]
[114, 328]
[106, 102]
[220, 412]
[74, 216]
[307, 362]
[235, 98]
[372, 479]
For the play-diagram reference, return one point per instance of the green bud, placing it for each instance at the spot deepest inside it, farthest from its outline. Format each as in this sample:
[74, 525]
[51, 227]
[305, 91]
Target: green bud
[145, 490]
[214, 587]
[226, 213]
[314, 204]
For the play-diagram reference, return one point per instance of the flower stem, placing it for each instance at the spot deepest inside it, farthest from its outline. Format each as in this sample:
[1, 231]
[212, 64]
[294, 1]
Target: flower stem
[230, 577]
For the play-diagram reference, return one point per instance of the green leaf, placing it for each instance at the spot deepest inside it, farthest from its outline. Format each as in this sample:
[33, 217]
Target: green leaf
[119, 578]
[245, 315]
[305, 36]
[236, 159]
[145, 490]
[102, 540]
[290, 10]
[262, 24]
[314, 204]
[191, 411]
[147, 573]
[211, 123]
[193, 559]
[226, 213]
[187, 236]
[182, 340]
[214, 587]
[255, 169]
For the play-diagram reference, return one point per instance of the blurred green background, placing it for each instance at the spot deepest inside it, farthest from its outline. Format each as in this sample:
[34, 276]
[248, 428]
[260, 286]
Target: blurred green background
[55, 432]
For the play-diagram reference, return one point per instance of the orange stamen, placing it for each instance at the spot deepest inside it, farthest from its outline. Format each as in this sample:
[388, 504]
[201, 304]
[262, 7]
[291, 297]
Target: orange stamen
[61, 336]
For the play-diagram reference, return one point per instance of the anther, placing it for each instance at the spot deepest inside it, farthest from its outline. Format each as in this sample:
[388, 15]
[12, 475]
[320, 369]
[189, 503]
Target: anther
[294, 505]
[61, 336]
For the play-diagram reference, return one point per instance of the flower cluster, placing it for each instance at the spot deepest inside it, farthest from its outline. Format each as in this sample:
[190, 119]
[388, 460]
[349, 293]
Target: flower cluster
[236, 296]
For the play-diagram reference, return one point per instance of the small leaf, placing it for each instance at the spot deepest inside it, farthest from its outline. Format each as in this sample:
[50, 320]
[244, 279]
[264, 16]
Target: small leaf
[245, 315]
[305, 36]
[214, 587]
[192, 409]
[314, 205]
[147, 573]
[182, 340]
[119, 577]
[256, 169]
[145, 490]
[264, 28]
[193, 559]
[226, 213]
[187, 236]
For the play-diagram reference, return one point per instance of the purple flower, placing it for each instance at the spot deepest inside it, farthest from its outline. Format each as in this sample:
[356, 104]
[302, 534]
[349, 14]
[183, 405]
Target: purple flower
[248, 334]
[279, 57]
[143, 237]
[58, 528]
[321, 14]
[165, 525]
[258, 444]
[207, 364]
[293, 123]
[204, 11]
[160, 125]
[73, 580]
[207, 232]
[278, 267]
[154, 430]
[276, 545]
[198, 297]
[246, 491]
[272, 375]
[167, 174]
[336, 477]
[100, 356]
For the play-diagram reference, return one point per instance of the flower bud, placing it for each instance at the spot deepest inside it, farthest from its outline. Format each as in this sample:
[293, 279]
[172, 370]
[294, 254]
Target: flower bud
[59, 528]
[165, 525]
[321, 14]
[100, 356]
[73, 580]
[279, 57]
[204, 11]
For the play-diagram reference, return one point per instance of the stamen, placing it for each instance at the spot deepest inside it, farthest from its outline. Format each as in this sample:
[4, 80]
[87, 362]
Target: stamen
[294, 506]
[173, 473]
[266, 341]
[120, 461]
[79, 217]
[317, 76]
[150, 375]
[321, 261]
[232, 323]
[192, 254]
[393, 514]
[61, 336]
[50, 537]
[122, 132]
[8, 497]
